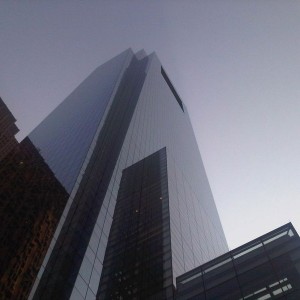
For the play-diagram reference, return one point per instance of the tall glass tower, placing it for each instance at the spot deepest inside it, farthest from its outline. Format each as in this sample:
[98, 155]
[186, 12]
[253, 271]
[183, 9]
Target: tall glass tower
[140, 210]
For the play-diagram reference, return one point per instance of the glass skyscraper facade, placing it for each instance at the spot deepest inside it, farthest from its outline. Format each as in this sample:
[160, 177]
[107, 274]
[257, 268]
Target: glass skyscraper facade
[140, 211]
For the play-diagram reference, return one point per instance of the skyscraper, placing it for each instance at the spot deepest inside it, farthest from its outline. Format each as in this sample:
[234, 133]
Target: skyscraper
[140, 210]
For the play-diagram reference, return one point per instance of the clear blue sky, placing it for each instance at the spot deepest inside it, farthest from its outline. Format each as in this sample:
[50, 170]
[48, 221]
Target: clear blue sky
[236, 65]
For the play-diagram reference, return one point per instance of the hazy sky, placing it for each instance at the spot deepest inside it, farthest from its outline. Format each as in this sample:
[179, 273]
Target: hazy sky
[235, 64]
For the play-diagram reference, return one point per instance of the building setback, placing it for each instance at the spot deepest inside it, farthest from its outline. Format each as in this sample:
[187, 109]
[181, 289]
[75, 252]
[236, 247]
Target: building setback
[140, 211]
[265, 268]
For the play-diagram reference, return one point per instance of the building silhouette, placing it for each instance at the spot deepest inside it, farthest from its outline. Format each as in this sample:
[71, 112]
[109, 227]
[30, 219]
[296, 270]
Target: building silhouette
[139, 210]
[31, 203]
[8, 130]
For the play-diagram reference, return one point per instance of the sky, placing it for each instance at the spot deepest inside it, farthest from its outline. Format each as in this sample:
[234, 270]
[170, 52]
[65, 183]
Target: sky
[235, 64]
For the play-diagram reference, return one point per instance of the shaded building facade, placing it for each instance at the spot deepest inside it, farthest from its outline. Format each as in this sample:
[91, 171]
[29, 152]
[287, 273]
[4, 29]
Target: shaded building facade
[31, 203]
[265, 268]
[123, 149]
[137, 262]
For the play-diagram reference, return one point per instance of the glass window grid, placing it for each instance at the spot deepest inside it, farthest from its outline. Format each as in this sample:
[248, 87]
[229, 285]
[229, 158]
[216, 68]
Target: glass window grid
[149, 115]
[251, 287]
